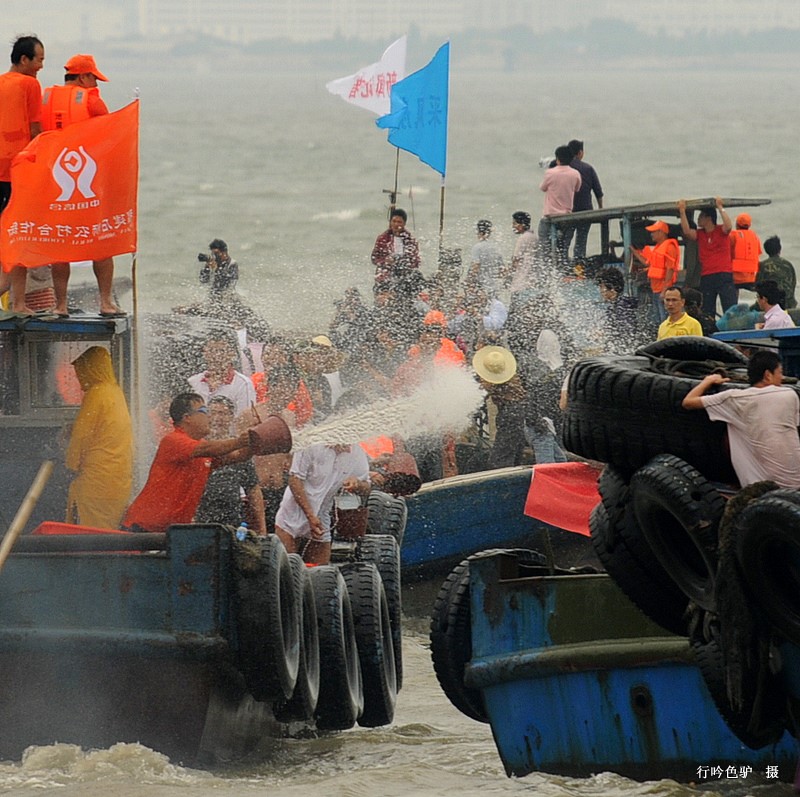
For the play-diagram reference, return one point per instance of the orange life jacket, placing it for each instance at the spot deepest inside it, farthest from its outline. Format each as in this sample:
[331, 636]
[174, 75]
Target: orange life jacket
[664, 256]
[65, 105]
[745, 249]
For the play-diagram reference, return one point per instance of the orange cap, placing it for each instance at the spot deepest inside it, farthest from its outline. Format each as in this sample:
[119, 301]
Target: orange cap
[658, 225]
[743, 220]
[82, 65]
[436, 317]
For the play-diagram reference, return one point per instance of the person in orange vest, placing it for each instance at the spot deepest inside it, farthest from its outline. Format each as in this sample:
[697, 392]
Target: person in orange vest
[663, 261]
[76, 101]
[745, 249]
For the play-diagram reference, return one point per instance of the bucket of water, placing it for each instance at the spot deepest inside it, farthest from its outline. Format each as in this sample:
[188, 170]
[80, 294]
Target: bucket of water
[271, 436]
[350, 516]
[402, 475]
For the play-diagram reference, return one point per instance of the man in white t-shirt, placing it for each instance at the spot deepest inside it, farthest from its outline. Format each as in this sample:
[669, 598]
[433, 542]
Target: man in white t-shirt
[316, 475]
[762, 421]
[221, 378]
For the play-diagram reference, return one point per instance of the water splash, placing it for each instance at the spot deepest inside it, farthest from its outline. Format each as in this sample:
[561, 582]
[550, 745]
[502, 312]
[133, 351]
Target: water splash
[445, 401]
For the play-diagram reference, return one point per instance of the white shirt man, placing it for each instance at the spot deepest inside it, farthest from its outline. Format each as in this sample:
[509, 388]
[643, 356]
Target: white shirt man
[762, 421]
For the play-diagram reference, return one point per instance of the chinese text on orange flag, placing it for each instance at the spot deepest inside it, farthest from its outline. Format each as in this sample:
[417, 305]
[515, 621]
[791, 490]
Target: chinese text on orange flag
[73, 193]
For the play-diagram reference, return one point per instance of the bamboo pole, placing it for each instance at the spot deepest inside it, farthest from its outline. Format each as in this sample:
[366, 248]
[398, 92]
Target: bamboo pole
[25, 510]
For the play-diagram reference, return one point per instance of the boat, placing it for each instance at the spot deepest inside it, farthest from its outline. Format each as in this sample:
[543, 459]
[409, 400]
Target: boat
[201, 642]
[682, 657]
[575, 680]
[452, 518]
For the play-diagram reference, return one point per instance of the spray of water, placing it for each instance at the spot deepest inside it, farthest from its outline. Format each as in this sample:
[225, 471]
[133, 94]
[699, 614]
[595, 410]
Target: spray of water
[445, 401]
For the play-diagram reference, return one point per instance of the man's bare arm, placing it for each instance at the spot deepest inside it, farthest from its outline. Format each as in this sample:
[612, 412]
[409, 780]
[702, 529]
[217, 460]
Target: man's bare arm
[693, 399]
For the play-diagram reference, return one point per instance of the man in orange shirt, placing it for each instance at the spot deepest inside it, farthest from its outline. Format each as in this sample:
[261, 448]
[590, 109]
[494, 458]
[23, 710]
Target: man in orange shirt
[181, 467]
[745, 249]
[20, 122]
[663, 260]
[76, 101]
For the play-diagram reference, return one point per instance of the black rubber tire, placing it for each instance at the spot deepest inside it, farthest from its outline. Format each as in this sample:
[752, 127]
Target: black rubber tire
[386, 515]
[630, 562]
[341, 693]
[451, 642]
[768, 553]
[772, 708]
[620, 413]
[678, 512]
[693, 347]
[374, 641]
[303, 702]
[267, 619]
[382, 550]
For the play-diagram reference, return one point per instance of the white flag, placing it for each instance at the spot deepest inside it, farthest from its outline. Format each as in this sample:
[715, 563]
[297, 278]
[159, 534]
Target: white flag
[370, 87]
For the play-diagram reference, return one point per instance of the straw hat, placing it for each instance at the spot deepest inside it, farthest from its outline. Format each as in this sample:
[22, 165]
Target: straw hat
[494, 364]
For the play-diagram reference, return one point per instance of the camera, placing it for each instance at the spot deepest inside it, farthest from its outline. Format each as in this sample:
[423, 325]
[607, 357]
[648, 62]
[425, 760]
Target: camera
[204, 258]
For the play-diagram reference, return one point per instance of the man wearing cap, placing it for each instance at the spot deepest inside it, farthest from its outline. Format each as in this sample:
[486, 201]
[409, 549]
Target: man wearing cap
[77, 101]
[487, 262]
[663, 261]
[20, 122]
[745, 249]
[714, 253]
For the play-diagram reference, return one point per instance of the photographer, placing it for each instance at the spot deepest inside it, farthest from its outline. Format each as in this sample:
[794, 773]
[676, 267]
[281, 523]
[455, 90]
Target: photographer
[218, 268]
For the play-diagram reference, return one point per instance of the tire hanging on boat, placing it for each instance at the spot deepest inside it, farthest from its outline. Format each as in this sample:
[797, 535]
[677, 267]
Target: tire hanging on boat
[382, 550]
[691, 347]
[678, 512]
[341, 695]
[768, 552]
[628, 559]
[303, 702]
[451, 642]
[374, 642]
[761, 717]
[267, 618]
[386, 515]
[621, 413]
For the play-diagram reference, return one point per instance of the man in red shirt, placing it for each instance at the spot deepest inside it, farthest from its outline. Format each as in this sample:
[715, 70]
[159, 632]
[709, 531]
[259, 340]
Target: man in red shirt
[181, 467]
[714, 253]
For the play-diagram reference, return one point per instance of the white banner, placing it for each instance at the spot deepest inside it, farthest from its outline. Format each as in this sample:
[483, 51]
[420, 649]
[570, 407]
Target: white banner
[370, 87]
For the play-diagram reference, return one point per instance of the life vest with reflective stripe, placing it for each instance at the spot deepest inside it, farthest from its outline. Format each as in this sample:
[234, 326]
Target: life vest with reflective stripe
[745, 249]
[65, 105]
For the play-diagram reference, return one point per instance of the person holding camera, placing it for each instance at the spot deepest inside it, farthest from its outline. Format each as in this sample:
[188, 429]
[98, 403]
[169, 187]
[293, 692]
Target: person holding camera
[396, 251]
[218, 268]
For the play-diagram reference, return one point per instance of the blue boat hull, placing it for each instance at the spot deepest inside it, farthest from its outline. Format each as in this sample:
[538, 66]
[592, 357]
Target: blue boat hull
[450, 519]
[576, 681]
[139, 646]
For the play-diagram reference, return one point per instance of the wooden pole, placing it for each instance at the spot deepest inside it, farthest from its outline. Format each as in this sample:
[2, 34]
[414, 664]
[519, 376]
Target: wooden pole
[441, 219]
[25, 510]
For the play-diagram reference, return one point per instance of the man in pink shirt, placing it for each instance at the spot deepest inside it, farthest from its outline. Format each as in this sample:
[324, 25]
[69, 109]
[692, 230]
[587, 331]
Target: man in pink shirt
[560, 184]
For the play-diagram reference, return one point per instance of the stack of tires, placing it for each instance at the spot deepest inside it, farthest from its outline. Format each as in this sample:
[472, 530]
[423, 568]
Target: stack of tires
[290, 617]
[657, 527]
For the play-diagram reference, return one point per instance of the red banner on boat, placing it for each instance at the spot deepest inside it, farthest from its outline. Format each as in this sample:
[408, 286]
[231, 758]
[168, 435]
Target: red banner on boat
[563, 494]
[74, 193]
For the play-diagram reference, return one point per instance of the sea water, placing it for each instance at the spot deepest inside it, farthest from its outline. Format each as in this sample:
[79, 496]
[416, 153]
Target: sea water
[292, 178]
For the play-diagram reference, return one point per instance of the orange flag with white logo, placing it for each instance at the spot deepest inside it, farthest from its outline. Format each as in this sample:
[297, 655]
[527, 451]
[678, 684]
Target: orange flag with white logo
[74, 193]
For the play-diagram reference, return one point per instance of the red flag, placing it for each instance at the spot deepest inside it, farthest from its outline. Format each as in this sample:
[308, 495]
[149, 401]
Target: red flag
[563, 494]
[74, 193]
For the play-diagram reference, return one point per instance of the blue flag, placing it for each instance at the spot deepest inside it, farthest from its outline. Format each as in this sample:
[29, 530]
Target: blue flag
[418, 120]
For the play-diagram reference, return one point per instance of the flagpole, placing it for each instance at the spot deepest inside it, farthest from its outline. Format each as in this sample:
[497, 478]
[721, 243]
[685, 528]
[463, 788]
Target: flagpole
[396, 176]
[441, 218]
[135, 380]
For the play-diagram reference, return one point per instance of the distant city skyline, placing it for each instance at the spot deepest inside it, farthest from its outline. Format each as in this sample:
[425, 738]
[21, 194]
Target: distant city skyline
[247, 21]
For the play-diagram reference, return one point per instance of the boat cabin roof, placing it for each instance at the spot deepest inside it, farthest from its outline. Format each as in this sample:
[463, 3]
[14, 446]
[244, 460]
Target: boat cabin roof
[651, 209]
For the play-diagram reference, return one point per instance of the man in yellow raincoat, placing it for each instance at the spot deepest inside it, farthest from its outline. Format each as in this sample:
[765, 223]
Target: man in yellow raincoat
[100, 449]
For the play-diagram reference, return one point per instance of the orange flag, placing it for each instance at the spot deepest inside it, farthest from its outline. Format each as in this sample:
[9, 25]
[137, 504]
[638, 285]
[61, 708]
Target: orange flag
[73, 193]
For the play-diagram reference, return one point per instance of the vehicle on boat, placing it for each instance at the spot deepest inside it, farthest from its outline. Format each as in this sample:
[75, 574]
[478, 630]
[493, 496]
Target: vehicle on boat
[199, 642]
[684, 653]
